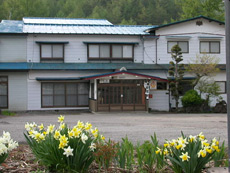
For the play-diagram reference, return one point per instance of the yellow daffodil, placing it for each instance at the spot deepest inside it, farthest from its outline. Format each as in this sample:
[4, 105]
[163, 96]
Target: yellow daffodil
[202, 153]
[166, 145]
[71, 134]
[165, 152]
[192, 138]
[88, 126]
[50, 128]
[185, 157]
[57, 134]
[94, 132]
[102, 137]
[201, 136]
[61, 119]
[62, 126]
[158, 150]
[179, 146]
[41, 127]
[80, 125]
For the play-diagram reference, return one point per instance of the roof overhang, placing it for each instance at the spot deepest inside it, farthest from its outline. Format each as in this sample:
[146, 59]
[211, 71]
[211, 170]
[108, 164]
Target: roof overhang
[117, 73]
[104, 75]
[88, 42]
[52, 42]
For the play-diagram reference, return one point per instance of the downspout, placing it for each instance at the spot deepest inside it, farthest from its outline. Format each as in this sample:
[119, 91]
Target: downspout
[156, 49]
[143, 48]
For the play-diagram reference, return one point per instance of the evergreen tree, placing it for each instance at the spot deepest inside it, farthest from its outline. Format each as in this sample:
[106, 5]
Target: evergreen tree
[176, 71]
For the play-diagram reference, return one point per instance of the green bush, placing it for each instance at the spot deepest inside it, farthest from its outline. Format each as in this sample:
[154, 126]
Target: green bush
[191, 98]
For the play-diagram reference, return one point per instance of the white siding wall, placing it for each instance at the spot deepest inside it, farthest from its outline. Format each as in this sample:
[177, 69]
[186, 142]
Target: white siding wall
[34, 86]
[208, 29]
[160, 100]
[150, 51]
[13, 49]
[76, 50]
[17, 90]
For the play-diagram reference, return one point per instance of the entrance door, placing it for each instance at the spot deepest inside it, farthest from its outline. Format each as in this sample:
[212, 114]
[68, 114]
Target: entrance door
[121, 97]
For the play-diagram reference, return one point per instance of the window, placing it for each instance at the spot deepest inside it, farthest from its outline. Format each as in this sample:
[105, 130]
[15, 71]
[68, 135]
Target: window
[65, 94]
[209, 47]
[161, 85]
[186, 85]
[182, 44]
[3, 92]
[53, 52]
[222, 85]
[110, 52]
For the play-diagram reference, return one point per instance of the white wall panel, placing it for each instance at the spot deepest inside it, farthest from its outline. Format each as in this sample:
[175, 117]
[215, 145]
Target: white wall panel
[13, 49]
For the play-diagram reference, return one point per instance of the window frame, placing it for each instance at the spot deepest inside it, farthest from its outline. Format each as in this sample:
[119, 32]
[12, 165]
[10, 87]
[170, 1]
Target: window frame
[7, 84]
[225, 87]
[65, 95]
[111, 58]
[177, 44]
[209, 44]
[52, 58]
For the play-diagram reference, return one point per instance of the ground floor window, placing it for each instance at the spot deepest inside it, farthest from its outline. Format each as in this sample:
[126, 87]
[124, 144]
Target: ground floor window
[65, 94]
[3, 92]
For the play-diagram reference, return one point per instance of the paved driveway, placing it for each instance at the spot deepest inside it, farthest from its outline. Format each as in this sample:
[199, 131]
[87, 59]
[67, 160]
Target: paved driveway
[138, 126]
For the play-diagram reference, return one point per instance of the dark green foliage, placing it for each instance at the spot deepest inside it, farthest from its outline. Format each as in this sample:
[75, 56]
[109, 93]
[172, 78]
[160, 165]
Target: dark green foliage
[191, 98]
[176, 71]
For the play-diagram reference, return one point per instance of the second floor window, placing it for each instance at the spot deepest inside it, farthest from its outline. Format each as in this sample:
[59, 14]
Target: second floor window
[182, 44]
[110, 52]
[53, 52]
[210, 47]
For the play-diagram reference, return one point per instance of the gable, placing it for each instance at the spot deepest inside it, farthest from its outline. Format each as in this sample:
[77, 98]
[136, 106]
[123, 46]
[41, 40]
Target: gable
[199, 25]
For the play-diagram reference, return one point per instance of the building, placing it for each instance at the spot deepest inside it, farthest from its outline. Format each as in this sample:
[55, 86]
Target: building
[58, 64]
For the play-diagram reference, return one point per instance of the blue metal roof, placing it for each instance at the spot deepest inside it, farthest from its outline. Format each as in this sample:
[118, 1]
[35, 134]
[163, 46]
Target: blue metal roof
[70, 26]
[80, 66]
[67, 21]
[84, 29]
[11, 26]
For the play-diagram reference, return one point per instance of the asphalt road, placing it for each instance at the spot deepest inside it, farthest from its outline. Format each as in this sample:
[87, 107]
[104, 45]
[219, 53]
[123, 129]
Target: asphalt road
[138, 126]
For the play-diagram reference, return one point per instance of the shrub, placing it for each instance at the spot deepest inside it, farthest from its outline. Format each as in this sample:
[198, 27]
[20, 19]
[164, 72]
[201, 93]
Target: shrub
[191, 98]
[190, 154]
[63, 149]
[6, 145]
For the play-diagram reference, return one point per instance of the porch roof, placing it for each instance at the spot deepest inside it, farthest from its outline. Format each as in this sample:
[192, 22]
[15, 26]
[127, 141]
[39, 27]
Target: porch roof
[99, 76]
[124, 72]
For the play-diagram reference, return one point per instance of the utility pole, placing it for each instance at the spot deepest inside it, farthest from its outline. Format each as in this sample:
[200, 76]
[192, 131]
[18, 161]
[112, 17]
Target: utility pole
[227, 36]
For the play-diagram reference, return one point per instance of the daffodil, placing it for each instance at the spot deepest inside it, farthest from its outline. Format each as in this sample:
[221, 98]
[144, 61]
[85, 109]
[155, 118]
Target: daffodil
[50, 128]
[94, 132]
[185, 157]
[84, 138]
[41, 127]
[202, 153]
[192, 138]
[68, 151]
[70, 134]
[80, 125]
[92, 146]
[61, 119]
[62, 126]
[102, 137]
[158, 150]
[88, 126]
[57, 134]
[201, 136]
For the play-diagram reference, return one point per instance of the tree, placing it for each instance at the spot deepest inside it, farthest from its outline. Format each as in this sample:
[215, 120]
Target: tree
[202, 66]
[210, 8]
[176, 71]
[208, 87]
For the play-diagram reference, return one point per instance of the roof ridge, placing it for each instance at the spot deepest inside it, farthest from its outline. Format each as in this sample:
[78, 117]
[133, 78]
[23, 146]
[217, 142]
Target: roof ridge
[58, 18]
